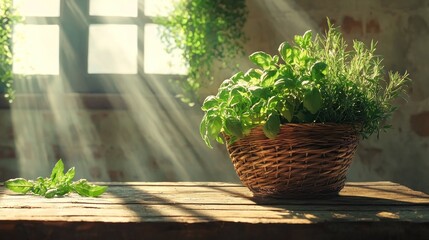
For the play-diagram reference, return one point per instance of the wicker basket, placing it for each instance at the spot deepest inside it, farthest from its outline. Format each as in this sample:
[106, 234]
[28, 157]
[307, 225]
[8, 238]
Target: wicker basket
[304, 160]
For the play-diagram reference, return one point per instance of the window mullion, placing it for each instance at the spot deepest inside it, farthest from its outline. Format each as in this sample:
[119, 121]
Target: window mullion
[74, 44]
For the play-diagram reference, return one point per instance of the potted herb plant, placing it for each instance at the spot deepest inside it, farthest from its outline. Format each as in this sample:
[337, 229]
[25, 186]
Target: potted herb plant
[293, 124]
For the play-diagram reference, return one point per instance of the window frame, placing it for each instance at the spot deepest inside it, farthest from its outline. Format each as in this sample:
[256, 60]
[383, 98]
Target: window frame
[74, 20]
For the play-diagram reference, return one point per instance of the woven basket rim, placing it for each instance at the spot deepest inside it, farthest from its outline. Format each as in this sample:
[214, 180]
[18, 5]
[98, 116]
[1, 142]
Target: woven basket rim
[350, 126]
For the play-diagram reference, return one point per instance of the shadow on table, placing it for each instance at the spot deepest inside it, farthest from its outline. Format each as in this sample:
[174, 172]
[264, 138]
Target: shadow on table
[385, 213]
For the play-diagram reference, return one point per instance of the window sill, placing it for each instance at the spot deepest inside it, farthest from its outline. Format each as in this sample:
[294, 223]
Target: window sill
[82, 101]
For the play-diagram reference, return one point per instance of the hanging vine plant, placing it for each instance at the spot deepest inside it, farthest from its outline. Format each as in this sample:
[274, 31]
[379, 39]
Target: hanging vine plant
[8, 17]
[205, 31]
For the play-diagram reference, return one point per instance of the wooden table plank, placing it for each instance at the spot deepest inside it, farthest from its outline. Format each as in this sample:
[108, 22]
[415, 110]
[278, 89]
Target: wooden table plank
[195, 210]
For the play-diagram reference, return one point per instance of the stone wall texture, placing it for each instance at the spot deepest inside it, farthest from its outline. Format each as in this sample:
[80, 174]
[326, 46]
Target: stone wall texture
[132, 144]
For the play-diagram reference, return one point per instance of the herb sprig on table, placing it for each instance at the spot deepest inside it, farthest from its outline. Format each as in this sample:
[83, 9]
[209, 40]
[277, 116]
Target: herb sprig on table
[59, 184]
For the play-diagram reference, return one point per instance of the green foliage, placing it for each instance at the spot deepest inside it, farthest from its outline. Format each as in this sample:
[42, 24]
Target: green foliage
[58, 184]
[206, 30]
[318, 80]
[8, 17]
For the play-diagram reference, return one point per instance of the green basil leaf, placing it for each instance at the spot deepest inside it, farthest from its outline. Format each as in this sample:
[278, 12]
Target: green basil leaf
[253, 74]
[83, 188]
[233, 127]
[63, 189]
[261, 59]
[275, 59]
[19, 185]
[219, 139]
[318, 70]
[236, 77]
[210, 102]
[68, 177]
[298, 40]
[286, 51]
[225, 84]
[273, 102]
[269, 77]
[51, 193]
[96, 190]
[259, 92]
[307, 38]
[204, 131]
[286, 110]
[283, 83]
[57, 171]
[272, 126]
[214, 127]
[41, 186]
[223, 94]
[313, 100]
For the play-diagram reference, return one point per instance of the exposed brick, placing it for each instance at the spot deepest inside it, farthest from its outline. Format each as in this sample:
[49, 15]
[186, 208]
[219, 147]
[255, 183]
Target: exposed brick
[7, 152]
[116, 175]
[352, 26]
[97, 151]
[420, 124]
[369, 154]
[373, 26]
[95, 172]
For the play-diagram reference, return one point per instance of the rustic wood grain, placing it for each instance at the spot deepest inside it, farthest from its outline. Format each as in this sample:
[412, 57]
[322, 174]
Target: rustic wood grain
[185, 210]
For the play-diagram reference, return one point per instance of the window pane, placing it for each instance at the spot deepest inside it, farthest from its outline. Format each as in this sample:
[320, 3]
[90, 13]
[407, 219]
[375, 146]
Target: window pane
[158, 7]
[37, 8]
[36, 49]
[156, 58]
[112, 48]
[122, 8]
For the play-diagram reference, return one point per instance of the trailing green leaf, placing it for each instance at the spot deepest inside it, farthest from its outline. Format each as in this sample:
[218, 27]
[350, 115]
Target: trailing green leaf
[8, 18]
[205, 31]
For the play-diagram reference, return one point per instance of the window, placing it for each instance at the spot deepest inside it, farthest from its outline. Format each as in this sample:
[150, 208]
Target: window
[36, 49]
[118, 54]
[92, 44]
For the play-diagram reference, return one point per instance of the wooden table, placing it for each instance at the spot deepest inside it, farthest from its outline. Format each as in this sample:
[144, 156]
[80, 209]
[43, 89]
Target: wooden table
[373, 210]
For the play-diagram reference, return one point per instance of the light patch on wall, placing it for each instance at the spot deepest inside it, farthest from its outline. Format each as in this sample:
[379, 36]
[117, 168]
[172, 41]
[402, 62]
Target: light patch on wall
[156, 59]
[112, 48]
[121, 8]
[36, 49]
[38, 8]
